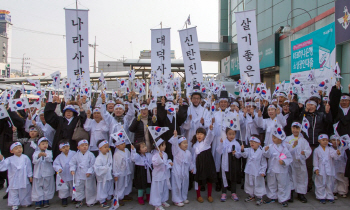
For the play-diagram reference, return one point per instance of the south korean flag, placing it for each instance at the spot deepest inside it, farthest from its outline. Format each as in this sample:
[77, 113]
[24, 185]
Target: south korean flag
[19, 104]
[3, 112]
[56, 76]
[37, 103]
[157, 131]
[232, 121]
[35, 83]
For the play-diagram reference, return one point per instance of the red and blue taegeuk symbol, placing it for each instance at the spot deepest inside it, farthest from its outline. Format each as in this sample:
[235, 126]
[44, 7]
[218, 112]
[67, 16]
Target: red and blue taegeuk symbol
[296, 81]
[171, 109]
[279, 131]
[158, 129]
[120, 135]
[19, 103]
[322, 84]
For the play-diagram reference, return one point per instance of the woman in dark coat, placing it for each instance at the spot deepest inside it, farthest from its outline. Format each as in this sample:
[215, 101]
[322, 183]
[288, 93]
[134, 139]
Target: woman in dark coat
[64, 125]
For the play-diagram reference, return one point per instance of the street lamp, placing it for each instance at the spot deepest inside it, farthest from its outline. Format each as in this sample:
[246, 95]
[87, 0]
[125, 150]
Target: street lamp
[287, 29]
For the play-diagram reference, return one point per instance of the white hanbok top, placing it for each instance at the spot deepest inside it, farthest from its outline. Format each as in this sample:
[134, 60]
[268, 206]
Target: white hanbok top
[122, 165]
[103, 167]
[43, 165]
[274, 153]
[199, 147]
[324, 161]
[19, 169]
[303, 145]
[268, 125]
[62, 162]
[256, 162]
[161, 167]
[182, 159]
[82, 164]
[98, 131]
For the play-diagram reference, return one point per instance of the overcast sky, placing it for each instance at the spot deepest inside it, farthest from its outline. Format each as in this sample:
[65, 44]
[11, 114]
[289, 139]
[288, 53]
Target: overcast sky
[115, 23]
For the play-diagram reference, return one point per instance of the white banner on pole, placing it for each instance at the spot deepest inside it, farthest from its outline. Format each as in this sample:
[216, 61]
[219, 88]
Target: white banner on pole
[77, 44]
[160, 58]
[191, 55]
[247, 40]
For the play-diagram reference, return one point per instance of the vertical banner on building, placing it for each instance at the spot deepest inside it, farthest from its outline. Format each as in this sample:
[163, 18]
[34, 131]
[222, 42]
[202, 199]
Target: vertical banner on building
[160, 58]
[191, 55]
[342, 21]
[77, 44]
[8, 71]
[247, 40]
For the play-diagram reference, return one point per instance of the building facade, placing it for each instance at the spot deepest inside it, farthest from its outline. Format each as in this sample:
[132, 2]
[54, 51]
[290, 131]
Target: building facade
[274, 39]
[5, 42]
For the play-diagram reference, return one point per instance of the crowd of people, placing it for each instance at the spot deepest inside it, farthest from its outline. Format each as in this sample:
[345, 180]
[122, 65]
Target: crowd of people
[100, 153]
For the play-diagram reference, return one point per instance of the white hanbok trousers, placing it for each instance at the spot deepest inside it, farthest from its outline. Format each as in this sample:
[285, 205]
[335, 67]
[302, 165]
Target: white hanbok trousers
[123, 186]
[341, 184]
[159, 193]
[278, 186]
[104, 191]
[324, 188]
[17, 197]
[65, 193]
[43, 188]
[86, 189]
[179, 188]
[254, 185]
[300, 179]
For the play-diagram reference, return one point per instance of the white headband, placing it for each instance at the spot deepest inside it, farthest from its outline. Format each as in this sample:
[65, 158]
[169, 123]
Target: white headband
[311, 102]
[110, 102]
[274, 100]
[235, 103]
[254, 139]
[323, 136]
[334, 137]
[42, 139]
[271, 106]
[143, 106]
[15, 145]
[102, 143]
[223, 99]
[249, 103]
[296, 124]
[96, 110]
[181, 139]
[83, 142]
[345, 97]
[282, 94]
[119, 106]
[63, 144]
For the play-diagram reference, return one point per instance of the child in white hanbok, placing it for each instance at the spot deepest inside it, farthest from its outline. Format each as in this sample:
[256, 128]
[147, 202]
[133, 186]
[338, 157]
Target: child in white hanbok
[19, 170]
[277, 174]
[61, 166]
[255, 170]
[43, 188]
[160, 177]
[103, 171]
[269, 124]
[81, 167]
[323, 162]
[122, 169]
[341, 183]
[300, 150]
[180, 172]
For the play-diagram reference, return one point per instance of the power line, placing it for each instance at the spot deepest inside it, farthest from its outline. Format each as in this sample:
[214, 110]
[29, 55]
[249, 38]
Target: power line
[37, 32]
[106, 55]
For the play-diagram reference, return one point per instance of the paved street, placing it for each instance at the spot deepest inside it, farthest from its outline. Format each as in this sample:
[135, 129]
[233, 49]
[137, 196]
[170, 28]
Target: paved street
[341, 203]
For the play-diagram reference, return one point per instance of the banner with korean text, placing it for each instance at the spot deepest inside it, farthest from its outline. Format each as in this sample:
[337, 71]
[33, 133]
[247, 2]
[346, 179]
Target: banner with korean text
[247, 40]
[191, 55]
[77, 44]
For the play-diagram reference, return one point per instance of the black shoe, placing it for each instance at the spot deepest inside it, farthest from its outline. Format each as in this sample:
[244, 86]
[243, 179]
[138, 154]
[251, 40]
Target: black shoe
[6, 196]
[284, 204]
[218, 188]
[64, 202]
[302, 198]
[291, 200]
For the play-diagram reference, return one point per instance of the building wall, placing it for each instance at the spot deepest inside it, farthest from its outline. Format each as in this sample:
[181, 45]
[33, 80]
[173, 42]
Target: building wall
[223, 18]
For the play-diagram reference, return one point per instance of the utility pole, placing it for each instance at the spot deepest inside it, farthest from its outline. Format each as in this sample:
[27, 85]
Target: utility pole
[24, 63]
[94, 46]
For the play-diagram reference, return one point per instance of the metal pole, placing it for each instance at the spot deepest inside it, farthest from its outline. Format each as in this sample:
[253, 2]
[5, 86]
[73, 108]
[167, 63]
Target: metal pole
[23, 64]
[95, 56]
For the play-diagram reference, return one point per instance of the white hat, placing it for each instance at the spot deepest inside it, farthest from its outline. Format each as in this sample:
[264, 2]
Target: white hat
[84, 141]
[15, 145]
[278, 132]
[42, 139]
[159, 142]
[120, 137]
[70, 107]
